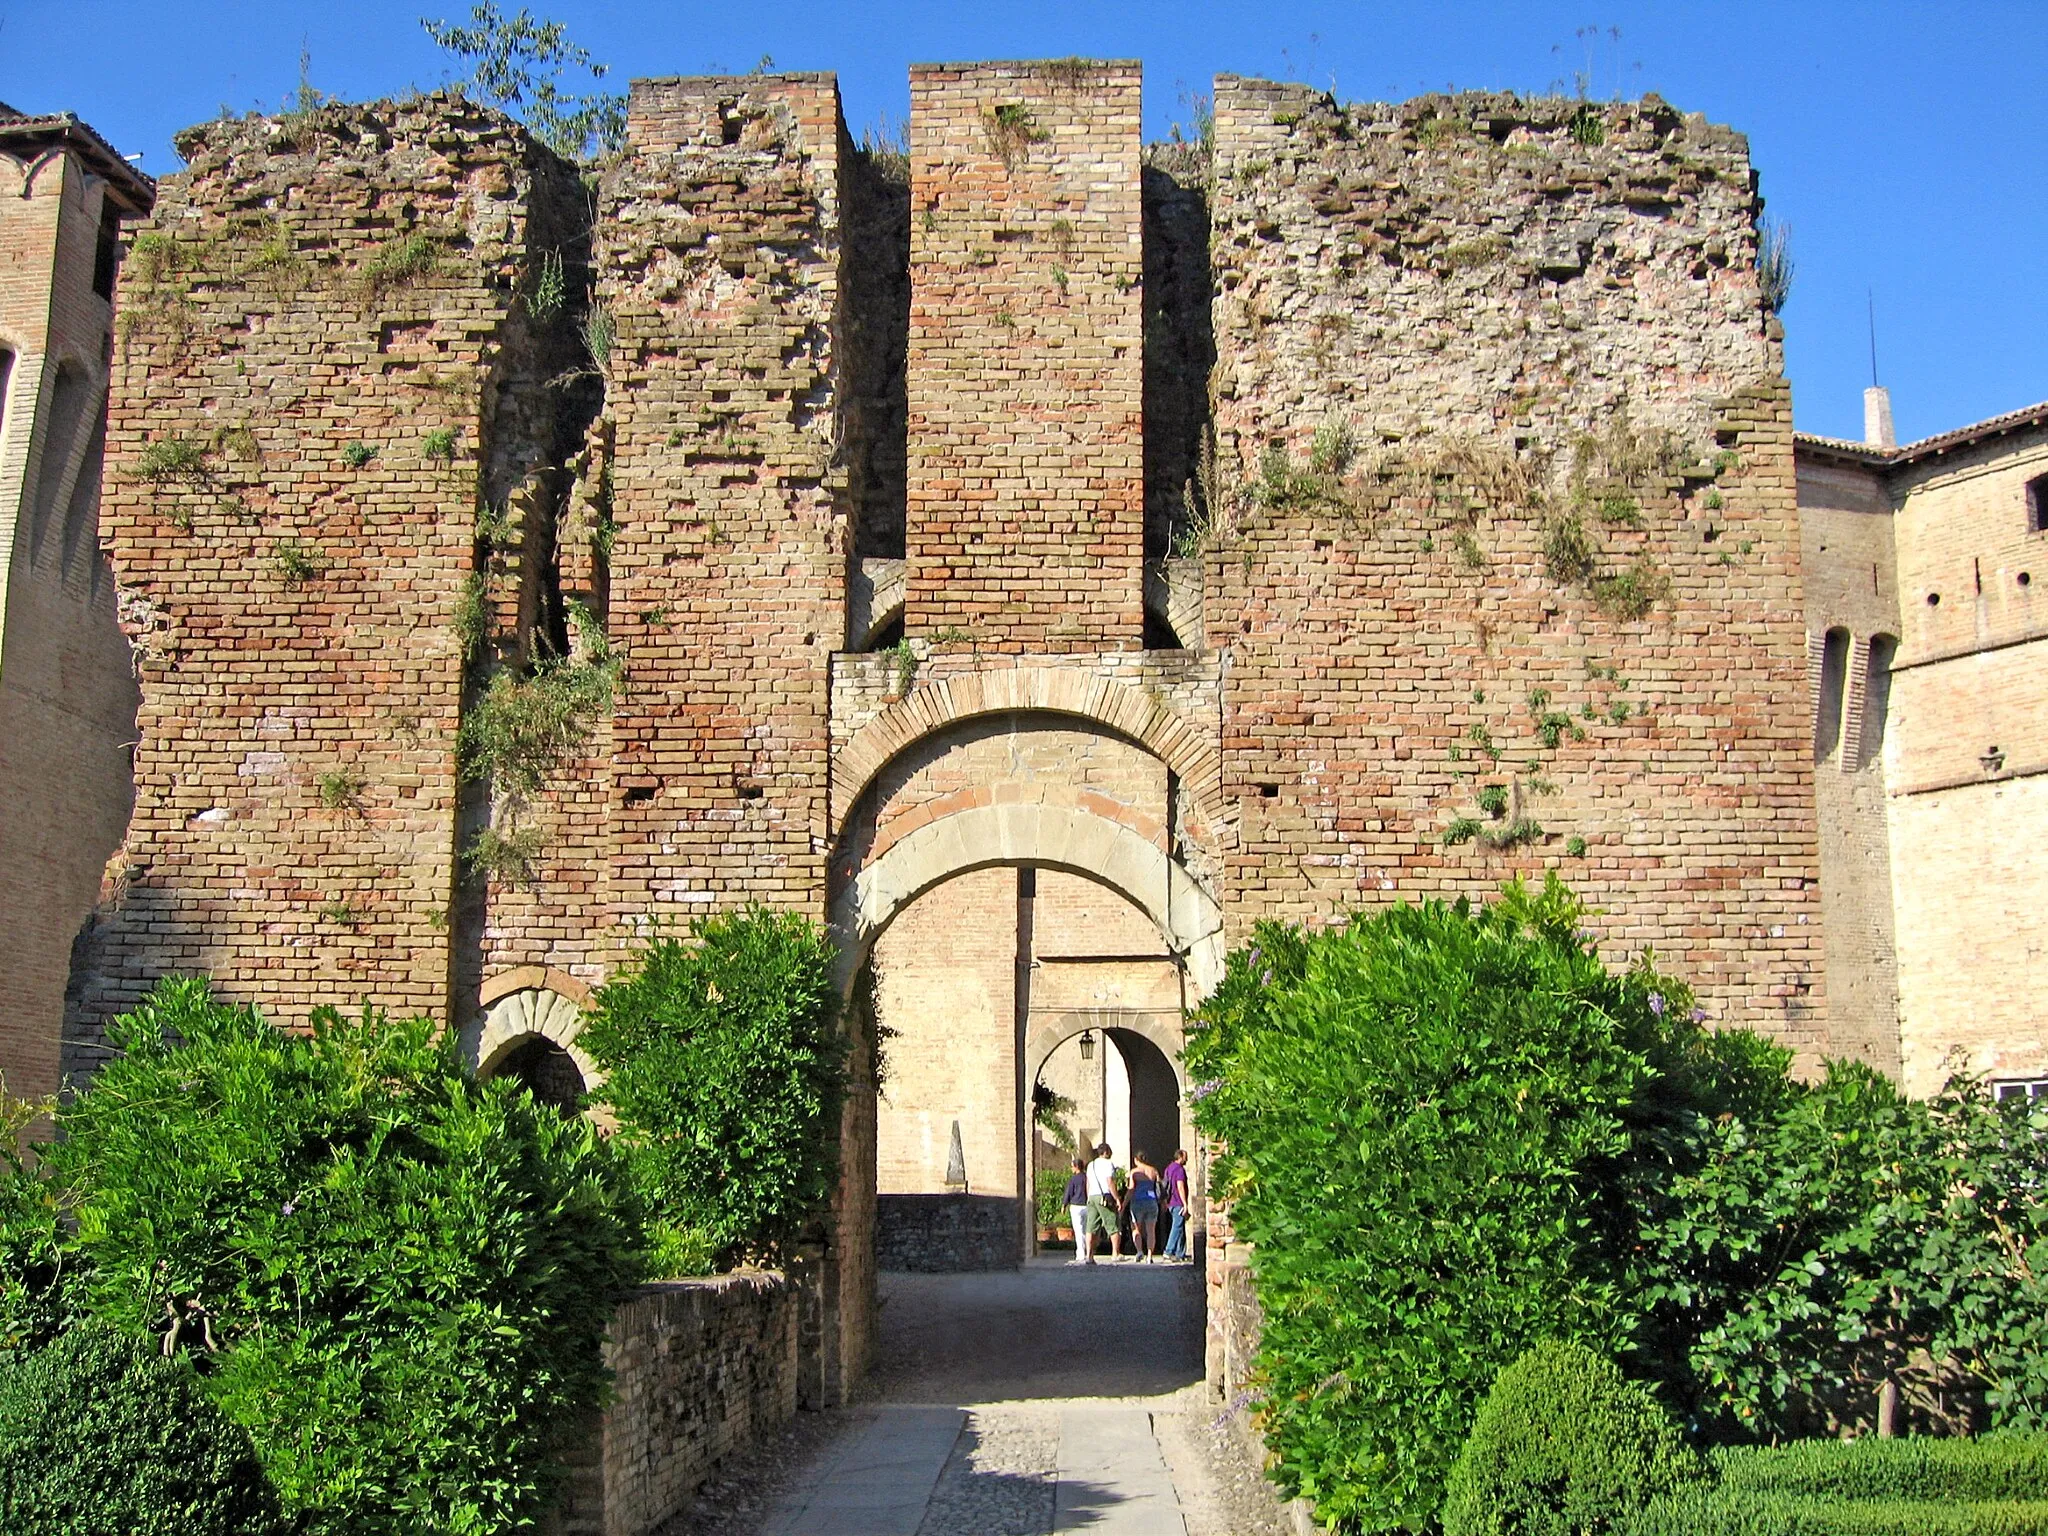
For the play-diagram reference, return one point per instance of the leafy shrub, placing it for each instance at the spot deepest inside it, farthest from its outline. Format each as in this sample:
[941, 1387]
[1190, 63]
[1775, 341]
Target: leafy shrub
[726, 1068]
[510, 855]
[1998, 1466]
[1051, 1189]
[1855, 1236]
[1564, 1445]
[1719, 1512]
[395, 1278]
[1443, 1126]
[99, 1432]
[32, 1271]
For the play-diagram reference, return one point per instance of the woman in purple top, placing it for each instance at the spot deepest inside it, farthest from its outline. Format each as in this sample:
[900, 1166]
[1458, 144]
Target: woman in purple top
[1175, 1180]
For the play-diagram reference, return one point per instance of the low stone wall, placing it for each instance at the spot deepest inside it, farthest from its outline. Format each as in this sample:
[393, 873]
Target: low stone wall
[702, 1369]
[948, 1234]
[1234, 1324]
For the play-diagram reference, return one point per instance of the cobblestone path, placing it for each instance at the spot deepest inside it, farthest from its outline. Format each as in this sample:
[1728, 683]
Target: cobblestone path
[1028, 1403]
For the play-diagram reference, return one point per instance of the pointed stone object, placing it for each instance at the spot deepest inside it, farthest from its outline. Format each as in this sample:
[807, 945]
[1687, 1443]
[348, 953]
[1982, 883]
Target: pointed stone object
[956, 1162]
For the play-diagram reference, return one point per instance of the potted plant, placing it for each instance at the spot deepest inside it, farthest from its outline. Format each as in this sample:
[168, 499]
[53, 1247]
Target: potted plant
[1053, 1223]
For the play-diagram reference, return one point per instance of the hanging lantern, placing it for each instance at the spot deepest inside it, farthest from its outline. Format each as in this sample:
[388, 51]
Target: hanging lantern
[1087, 1046]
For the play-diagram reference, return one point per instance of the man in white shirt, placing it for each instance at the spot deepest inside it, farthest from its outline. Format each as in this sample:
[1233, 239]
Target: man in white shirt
[1102, 1203]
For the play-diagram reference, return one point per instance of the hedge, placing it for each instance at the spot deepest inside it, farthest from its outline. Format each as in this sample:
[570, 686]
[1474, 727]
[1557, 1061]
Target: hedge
[1997, 1466]
[99, 1432]
[1726, 1512]
[1565, 1445]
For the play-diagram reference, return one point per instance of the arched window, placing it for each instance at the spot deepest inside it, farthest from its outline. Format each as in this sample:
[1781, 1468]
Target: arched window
[1834, 679]
[1877, 695]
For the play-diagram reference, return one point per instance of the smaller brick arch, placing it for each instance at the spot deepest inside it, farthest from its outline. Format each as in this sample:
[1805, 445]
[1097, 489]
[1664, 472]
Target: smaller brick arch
[516, 1013]
[931, 706]
[1046, 836]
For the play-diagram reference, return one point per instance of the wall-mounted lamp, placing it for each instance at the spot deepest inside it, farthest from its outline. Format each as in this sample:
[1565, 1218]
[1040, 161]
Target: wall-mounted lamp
[1087, 1046]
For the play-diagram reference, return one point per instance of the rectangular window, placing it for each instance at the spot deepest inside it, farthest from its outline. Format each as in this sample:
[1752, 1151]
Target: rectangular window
[2020, 1088]
[2037, 505]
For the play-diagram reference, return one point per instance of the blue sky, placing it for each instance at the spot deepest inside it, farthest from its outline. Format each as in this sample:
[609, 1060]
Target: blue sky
[1903, 144]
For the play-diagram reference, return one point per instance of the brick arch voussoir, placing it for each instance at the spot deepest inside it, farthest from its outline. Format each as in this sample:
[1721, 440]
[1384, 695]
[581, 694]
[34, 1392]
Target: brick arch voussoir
[932, 706]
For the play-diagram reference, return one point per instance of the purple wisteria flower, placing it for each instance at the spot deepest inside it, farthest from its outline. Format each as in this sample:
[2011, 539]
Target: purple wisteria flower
[1265, 978]
[290, 1208]
[1202, 1090]
[1657, 1004]
[1699, 1015]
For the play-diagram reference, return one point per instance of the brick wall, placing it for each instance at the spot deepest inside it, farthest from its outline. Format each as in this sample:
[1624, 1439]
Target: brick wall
[719, 259]
[1497, 324]
[702, 1369]
[1849, 563]
[67, 697]
[1026, 469]
[312, 299]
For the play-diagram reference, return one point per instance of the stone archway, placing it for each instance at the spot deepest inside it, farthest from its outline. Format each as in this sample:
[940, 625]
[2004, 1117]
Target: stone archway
[1039, 835]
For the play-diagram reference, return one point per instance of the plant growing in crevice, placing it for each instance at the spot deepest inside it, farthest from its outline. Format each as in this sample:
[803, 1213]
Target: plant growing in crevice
[296, 562]
[1010, 131]
[508, 856]
[1513, 834]
[1493, 800]
[471, 619]
[438, 446]
[357, 455]
[600, 333]
[522, 726]
[1588, 128]
[550, 290]
[341, 789]
[399, 263]
[1575, 847]
[906, 663]
[1461, 830]
[1470, 554]
[1568, 552]
[341, 915]
[518, 63]
[173, 461]
[1632, 593]
[1773, 264]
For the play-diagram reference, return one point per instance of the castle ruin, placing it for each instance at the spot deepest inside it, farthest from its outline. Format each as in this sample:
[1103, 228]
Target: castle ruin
[1040, 560]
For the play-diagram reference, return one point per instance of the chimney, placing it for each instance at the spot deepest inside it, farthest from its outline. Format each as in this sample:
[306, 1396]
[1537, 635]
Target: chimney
[1877, 418]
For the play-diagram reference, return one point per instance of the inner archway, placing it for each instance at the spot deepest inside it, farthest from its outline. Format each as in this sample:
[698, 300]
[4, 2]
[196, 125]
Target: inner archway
[982, 983]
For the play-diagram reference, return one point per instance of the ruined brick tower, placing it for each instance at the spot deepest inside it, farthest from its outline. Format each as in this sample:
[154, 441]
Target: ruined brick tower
[1039, 556]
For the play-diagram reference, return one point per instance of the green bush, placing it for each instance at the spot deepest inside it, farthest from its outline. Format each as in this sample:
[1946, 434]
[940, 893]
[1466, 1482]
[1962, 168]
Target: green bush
[726, 1067]
[1443, 1127]
[397, 1279]
[1850, 1236]
[99, 1432]
[1998, 1466]
[33, 1302]
[1719, 1512]
[1565, 1445]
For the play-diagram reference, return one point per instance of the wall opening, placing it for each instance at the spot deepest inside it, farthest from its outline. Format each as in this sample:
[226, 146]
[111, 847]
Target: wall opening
[549, 1073]
[1834, 679]
[1877, 695]
[2037, 504]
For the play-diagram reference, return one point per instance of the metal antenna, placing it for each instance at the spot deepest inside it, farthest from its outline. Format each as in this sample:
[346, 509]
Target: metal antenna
[1871, 295]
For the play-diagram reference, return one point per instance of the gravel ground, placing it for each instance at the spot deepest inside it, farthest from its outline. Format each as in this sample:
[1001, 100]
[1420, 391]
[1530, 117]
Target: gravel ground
[1013, 1348]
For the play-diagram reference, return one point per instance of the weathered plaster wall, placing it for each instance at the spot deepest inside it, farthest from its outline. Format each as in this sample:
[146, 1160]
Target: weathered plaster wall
[67, 694]
[1026, 470]
[1505, 316]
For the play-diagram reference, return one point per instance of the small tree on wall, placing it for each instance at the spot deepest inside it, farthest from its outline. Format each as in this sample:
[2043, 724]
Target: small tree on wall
[726, 1067]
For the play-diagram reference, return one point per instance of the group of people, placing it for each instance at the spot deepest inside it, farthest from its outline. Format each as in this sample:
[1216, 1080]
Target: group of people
[1099, 1199]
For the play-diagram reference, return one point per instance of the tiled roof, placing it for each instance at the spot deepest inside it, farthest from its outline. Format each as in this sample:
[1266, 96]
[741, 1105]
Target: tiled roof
[1928, 447]
[19, 132]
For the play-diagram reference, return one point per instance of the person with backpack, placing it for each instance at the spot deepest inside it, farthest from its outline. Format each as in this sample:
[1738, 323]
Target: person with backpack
[1175, 1183]
[1077, 1212]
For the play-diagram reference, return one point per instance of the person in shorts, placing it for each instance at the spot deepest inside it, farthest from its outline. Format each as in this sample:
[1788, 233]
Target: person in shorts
[1102, 1210]
[1143, 1203]
[1077, 1210]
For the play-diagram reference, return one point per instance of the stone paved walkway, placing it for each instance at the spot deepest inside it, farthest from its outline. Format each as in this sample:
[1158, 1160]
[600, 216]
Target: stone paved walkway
[1034, 1403]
